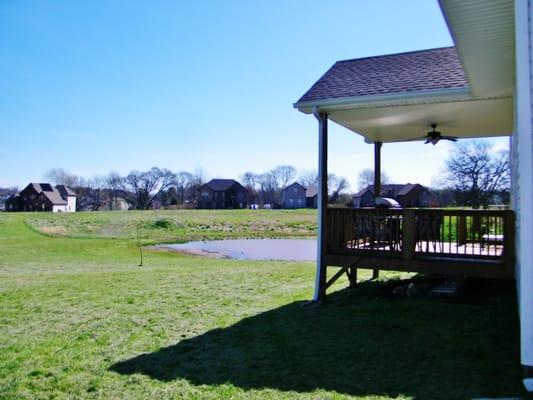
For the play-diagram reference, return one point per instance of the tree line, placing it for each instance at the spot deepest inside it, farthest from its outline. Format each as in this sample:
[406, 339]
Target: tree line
[475, 175]
[160, 187]
[266, 188]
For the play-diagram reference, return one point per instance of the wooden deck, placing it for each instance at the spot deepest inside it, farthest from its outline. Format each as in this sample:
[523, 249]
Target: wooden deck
[440, 241]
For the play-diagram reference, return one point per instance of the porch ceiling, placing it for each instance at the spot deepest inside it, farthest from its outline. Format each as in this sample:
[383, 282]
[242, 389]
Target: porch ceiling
[462, 118]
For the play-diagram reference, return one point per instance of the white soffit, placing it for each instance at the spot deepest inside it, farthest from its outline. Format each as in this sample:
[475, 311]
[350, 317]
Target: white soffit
[483, 32]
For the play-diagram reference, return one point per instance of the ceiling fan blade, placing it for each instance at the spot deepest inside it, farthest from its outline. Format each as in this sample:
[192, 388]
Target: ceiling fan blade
[450, 138]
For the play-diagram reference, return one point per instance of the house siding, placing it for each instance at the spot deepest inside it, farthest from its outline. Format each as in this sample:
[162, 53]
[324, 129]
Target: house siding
[71, 204]
[294, 196]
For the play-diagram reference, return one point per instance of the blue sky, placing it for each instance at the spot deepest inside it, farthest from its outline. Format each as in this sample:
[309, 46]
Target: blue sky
[118, 85]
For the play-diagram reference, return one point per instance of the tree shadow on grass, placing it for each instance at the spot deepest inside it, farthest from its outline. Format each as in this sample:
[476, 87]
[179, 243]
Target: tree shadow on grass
[358, 343]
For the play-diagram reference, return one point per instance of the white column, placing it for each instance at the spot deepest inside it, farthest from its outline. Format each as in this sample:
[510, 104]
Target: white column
[524, 179]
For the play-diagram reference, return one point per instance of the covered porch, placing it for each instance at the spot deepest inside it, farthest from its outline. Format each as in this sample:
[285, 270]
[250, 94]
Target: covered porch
[467, 92]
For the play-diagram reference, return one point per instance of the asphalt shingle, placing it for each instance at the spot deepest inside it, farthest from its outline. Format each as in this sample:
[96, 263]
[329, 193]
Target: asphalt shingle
[405, 72]
[221, 184]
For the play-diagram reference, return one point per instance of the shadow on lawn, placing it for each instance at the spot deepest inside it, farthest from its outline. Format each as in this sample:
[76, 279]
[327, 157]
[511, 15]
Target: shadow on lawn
[359, 343]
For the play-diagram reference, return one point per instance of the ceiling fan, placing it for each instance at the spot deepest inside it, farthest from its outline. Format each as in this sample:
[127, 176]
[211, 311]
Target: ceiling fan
[435, 136]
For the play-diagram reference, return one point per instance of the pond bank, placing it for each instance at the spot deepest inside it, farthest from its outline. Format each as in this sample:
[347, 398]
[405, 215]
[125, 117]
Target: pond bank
[249, 249]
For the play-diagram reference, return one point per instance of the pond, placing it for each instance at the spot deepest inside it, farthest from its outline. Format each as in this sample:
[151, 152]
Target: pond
[250, 249]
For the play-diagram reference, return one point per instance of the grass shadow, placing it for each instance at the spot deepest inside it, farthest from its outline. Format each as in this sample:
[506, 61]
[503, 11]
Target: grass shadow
[358, 343]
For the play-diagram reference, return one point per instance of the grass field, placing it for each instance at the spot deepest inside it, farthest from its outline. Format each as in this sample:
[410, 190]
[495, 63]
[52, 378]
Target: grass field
[80, 320]
[183, 225]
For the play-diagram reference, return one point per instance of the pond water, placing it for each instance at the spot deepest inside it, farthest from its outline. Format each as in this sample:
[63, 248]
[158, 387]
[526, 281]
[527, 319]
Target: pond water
[251, 249]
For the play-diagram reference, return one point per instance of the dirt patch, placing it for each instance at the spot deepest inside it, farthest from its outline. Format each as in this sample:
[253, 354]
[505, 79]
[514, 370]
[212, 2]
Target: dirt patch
[53, 230]
[194, 252]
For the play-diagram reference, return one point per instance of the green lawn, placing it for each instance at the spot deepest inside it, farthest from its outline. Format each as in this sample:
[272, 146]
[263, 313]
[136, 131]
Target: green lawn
[80, 320]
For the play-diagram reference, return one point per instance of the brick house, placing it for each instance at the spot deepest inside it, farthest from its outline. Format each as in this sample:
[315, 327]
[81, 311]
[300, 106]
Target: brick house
[43, 197]
[222, 193]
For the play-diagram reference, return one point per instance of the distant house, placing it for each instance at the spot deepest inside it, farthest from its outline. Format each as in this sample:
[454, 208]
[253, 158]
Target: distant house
[43, 197]
[311, 197]
[3, 200]
[12, 203]
[222, 193]
[293, 196]
[408, 195]
[5, 194]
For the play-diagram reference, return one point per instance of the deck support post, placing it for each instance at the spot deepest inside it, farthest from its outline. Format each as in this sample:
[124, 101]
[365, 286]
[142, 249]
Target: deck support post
[322, 204]
[377, 168]
[377, 183]
[352, 276]
[409, 229]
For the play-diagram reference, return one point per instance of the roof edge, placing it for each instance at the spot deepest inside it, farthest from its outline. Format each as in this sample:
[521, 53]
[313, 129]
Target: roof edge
[397, 54]
[447, 22]
[395, 98]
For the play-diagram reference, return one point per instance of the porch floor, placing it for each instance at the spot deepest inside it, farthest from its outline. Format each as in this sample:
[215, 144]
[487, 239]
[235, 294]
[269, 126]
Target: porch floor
[440, 248]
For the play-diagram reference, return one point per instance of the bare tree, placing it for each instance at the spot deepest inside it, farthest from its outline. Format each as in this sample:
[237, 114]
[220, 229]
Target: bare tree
[115, 184]
[250, 181]
[167, 178]
[284, 174]
[198, 179]
[93, 196]
[267, 184]
[336, 185]
[114, 181]
[142, 184]
[476, 171]
[60, 176]
[308, 178]
[365, 178]
[146, 185]
[183, 180]
[8, 191]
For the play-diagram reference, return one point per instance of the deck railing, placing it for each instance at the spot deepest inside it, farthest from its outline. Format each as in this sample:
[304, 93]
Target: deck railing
[411, 234]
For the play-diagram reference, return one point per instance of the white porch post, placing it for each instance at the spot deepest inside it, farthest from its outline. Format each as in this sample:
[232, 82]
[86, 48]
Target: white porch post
[524, 183]
[322, 204]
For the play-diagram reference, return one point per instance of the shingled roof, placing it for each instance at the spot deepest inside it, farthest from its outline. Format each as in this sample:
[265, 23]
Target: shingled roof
[311, 191]
[395, 73]
[65, 191]
[50, 192]
[218, 185]
[392, 188]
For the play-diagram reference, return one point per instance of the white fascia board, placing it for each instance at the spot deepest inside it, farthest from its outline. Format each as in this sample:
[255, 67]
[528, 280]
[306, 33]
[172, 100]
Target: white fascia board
[390, 99]
[447, 22]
